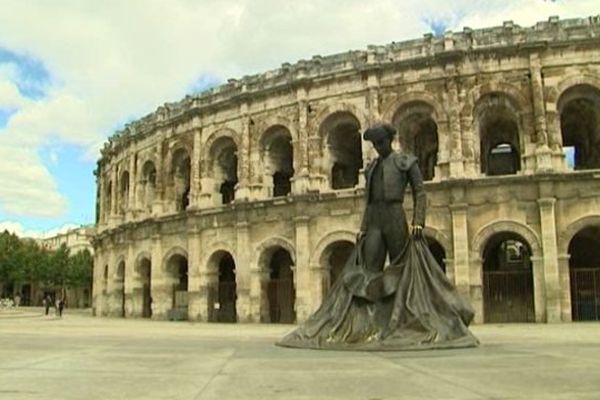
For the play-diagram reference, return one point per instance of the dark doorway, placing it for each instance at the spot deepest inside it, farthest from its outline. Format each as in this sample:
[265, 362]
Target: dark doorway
[438, 252]
[227, 290]
[584, 268]
[280, 292]
[146, 268]
[507, 280]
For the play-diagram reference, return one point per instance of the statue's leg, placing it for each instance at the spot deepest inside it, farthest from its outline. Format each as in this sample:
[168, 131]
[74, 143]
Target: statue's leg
[395, 230]
[374, 250]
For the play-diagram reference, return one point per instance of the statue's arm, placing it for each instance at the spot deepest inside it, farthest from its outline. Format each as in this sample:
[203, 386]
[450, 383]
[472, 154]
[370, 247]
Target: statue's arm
[418, 192]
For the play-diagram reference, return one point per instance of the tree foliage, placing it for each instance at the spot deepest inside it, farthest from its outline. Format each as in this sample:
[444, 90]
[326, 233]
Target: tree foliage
[25, 261]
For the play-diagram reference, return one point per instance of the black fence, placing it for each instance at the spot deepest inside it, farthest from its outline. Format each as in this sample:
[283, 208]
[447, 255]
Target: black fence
[508, 296]
[585, 294]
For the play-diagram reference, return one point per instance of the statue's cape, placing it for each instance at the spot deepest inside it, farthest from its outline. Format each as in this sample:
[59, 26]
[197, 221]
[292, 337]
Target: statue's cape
[410, 305]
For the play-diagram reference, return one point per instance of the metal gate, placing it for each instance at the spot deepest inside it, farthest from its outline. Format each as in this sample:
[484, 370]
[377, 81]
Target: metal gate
[508, 296]
[281, 297]
[227, 298]
[585, 294]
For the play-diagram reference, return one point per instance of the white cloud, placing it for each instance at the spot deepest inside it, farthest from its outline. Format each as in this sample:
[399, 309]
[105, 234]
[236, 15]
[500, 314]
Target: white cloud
[114, 61]
[18, 229]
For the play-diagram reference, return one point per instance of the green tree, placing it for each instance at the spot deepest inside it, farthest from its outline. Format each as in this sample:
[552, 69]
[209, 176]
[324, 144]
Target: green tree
[80, 269]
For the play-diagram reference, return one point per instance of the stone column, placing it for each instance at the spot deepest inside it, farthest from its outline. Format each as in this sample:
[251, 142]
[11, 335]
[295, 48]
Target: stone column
[470, 147]
[242, 272]
[320, 283]
[565, 288]
[242, 191]
[550, 259]
[259, 303]
[301, 180]
[539, 289]
[304, 303]
[130, 210]
[131, 282]
[195, 170]
[161, 289]
[542, 150]
[159, 192]
[460, 249]
[113, 196]
[98, 295]
[456, 162]
[196, 302]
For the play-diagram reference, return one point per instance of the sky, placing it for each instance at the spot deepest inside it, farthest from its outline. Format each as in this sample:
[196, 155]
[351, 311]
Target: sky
[73, 72]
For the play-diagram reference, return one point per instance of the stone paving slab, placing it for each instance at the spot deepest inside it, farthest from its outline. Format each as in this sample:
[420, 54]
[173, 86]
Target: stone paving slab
[80, 357]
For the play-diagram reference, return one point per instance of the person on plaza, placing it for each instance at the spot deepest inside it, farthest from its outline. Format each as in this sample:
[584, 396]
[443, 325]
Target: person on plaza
[410, 304]
[47, 302]
[60, 305]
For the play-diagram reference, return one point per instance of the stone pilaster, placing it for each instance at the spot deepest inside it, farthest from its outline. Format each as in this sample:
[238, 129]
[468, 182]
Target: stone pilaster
[131, 282]
[242, 272]
[301, 180]
[542, 150]
[550, 258]
[161, 290]
[195, 170]
[566, 313]
[195, 300]
[460, 244]
[304, 303]
[455, 143]
[157, 202]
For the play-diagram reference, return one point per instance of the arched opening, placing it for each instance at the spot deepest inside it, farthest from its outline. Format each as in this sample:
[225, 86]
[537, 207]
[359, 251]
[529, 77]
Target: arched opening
[333, 260]
[123, 192]
[145, 272]
[278, 158]
[496, 119]
[227, 291]
[180, 177]
[438, 252]
[341, 131]
[507, 279]
[120, 289]
[281, 294]
[584, 268]
[417, 133]
[224, 164]
[177, 271]
[579, 108]
[148, 184]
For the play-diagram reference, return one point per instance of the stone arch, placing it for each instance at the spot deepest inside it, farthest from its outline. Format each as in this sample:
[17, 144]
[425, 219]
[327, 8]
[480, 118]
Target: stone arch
[441, 238]
[277, 279]
[271, 243]
[215, 136]
[144, 254]
[332, 109]
[578, 121]
[485, 233]
[276, 154]
[565, 237]
[175, 250]
[222, 164]
[439, 112]
[222, 286]
[341, 151]
[498, 122]
[520, 100]
[216, 247]
[268, 122]
[327, 239]
[418, 133]
[120, 259]
[569, 81]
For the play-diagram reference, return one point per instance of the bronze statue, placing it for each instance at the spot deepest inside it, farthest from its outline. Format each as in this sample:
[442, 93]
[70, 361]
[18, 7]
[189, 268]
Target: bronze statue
[408, 305]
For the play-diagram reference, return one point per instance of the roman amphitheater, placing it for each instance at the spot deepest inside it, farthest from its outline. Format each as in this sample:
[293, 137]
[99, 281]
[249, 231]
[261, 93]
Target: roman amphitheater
[240, 204]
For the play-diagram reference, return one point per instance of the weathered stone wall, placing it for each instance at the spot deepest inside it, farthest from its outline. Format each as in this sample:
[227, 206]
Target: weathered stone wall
[471, 90]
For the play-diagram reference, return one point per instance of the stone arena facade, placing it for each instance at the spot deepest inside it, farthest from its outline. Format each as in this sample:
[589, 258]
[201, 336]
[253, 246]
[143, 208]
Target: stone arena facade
[242, 203]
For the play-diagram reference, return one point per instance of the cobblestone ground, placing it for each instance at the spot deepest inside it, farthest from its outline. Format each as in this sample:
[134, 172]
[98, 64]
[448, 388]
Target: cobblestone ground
[81, 357]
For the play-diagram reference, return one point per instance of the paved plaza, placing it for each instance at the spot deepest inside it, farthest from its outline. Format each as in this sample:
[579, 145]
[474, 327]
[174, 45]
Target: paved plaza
[81, 357]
